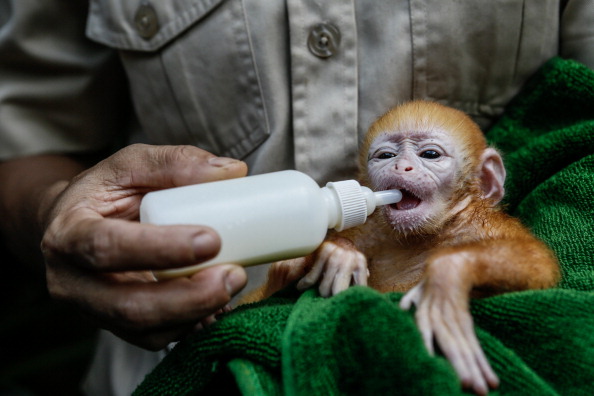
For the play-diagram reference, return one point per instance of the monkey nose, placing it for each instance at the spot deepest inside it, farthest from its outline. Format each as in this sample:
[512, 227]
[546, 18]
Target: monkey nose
[404, 166]
[407, 168]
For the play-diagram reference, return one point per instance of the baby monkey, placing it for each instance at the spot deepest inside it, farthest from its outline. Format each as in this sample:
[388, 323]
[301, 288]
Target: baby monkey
[447, 240]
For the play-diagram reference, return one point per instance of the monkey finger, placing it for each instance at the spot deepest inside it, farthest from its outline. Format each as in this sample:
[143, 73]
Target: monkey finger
[469, 373]
[456, 346]
[350, 267]
[478, 358]
[329, 277]
[412, 297]
[453, 350]
[342, 281]
[317, 270]
[487, 371]
[425, 326]
[361, 272]
[479, 355]
[446, 335]
[423, 317]
[360, 277]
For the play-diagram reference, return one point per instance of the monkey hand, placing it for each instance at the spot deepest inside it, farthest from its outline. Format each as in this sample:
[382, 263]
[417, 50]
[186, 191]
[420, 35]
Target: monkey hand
[443, 315]
[336, 265]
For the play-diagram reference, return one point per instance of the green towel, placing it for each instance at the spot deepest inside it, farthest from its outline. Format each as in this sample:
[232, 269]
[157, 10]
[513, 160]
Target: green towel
[359, 342]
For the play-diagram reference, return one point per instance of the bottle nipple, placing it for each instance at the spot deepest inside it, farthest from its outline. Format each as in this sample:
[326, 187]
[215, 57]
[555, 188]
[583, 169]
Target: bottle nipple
[387, 197]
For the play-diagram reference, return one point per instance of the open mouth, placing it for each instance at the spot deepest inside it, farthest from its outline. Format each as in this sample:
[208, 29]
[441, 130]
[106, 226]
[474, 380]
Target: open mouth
[409, 201]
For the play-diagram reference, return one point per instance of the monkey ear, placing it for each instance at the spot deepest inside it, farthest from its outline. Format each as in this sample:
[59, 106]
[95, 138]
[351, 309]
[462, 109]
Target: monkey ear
[492, 174]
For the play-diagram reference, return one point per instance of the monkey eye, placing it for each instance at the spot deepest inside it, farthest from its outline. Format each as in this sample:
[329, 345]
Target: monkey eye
[430, 154]
[386, 155]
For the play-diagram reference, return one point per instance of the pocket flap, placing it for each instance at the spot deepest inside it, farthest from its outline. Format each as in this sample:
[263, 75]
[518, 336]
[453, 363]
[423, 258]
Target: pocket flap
[143, 25]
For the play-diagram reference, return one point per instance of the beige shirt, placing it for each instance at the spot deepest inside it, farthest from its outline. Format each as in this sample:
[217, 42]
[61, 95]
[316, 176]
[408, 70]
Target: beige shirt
[281, 84]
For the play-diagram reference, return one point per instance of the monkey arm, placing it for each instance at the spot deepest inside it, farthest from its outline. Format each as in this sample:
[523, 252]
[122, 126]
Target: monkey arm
[280, 275]
[503, 256]
[334, 265]
[494, 266]
[453, 274]
[443, 314]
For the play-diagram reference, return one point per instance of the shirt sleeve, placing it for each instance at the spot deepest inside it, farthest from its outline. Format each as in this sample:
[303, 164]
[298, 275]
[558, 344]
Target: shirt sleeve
[59, 92]
[577, 31]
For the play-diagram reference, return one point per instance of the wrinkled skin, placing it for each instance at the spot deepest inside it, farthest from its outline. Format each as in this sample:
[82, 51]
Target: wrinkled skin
[99, 257]
[424, 167]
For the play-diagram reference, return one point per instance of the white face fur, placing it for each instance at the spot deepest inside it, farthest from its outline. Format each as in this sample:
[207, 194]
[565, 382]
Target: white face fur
[423, 164]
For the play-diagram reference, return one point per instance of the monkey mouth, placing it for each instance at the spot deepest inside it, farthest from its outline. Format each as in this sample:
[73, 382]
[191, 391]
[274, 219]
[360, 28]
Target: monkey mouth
[409, 201]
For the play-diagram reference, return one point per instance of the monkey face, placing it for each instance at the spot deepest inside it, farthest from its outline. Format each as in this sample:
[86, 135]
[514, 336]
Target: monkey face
[423, 165]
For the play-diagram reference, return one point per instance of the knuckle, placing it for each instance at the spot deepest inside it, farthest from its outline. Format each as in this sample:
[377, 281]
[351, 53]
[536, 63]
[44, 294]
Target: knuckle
[356, 262]
[100, 250]
[57, 244]
[49, 244]
[327, 248]
[180, 152]
[123, 156]
[55, 238]
[188, 161]
[187, 154]
[132, 148]
[329, 245]
[71, 242]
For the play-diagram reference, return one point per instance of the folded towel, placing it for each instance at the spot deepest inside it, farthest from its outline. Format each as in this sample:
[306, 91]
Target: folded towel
[360, 342]
[547, 137]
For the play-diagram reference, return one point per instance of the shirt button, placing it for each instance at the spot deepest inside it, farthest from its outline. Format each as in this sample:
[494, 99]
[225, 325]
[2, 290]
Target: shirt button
[323, 40]
[146, 21]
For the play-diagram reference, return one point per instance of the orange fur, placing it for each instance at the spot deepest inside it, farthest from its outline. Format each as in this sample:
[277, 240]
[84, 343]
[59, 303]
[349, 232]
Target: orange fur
[424, 116]
[505, 255]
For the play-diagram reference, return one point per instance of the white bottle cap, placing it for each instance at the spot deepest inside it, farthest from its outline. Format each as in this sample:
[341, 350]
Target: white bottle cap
[353, 205]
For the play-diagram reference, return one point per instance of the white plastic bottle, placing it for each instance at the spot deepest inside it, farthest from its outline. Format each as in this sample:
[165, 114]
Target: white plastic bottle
[264, 218]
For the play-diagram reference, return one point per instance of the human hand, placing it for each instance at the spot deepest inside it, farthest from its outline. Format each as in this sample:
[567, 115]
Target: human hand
[336, 265]
[443, 315]
[99, 257]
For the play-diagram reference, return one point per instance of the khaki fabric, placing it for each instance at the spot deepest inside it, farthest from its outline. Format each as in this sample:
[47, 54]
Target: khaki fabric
[238, 78]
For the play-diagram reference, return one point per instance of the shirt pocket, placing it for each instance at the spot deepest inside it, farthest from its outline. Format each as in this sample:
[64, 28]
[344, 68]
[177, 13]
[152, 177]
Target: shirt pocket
[476, 55]
[191, 70]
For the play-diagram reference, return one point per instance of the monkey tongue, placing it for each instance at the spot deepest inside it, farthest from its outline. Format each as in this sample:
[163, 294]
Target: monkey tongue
[407, 202]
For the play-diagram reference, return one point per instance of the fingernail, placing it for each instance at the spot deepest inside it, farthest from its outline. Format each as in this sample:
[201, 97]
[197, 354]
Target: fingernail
[235, 280]
[206, 245]
[222, 162]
